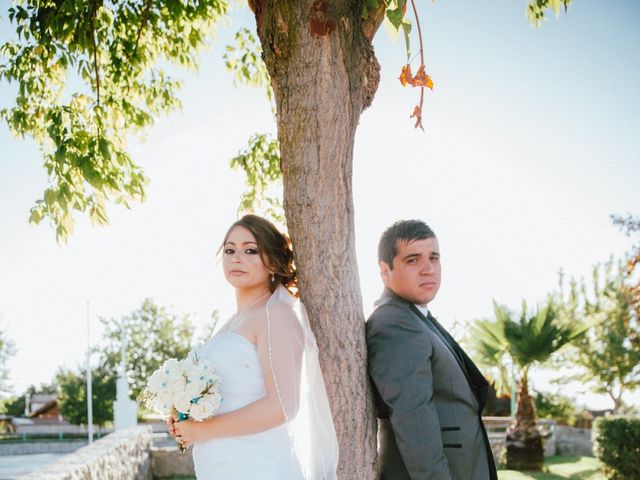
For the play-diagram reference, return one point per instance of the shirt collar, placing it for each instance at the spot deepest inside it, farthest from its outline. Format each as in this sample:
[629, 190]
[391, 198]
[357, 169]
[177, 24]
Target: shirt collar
[424, 310]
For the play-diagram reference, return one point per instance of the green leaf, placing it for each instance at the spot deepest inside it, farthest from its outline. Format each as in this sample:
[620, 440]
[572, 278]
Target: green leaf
[395, 17]
[103, 145]
[406, 28]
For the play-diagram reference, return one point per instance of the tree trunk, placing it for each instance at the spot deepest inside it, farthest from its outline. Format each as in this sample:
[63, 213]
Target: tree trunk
[525, 450]
[324, 74]
[617, 400]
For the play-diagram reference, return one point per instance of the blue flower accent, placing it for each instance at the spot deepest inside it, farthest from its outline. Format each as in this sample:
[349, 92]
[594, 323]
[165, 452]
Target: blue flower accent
[182, 416]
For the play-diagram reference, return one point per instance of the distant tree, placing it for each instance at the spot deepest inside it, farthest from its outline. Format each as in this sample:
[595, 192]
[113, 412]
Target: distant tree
[631, 226]
[609, 354]
[11, 404]
[7, 349]
[514, 346]
[73, 395]
[153, 335]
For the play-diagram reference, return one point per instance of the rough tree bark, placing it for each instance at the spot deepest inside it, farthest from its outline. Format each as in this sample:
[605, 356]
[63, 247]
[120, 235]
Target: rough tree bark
[324, 74]
[525, 450]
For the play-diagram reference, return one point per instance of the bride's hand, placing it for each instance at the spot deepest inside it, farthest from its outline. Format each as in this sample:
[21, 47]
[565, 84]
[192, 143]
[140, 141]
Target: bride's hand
[171, 421]
[189, 431]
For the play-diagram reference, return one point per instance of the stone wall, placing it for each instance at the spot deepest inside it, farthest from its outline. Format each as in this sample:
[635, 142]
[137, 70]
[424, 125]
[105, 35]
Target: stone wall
[32, 447]
[167, 462]
[166, 459]
[574, 441]
[118, 456]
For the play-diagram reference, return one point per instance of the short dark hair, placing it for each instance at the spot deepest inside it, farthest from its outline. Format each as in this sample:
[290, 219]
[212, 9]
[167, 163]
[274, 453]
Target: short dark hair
[405, 230]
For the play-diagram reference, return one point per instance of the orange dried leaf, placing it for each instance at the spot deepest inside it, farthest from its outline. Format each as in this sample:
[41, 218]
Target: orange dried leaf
[405, 75]
[429, 82]
[417, 113]
[421, 79]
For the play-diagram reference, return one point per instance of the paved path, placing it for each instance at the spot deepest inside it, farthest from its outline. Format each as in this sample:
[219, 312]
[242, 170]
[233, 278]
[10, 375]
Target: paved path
[13, 465]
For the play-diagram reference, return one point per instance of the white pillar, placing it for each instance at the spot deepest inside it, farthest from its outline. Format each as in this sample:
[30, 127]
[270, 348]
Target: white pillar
[125, 410]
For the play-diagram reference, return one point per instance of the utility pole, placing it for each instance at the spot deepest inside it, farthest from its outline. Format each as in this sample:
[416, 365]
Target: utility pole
[89, 389]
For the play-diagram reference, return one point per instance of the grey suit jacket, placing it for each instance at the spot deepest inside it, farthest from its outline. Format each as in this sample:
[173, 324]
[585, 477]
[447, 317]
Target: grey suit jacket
[429, 398]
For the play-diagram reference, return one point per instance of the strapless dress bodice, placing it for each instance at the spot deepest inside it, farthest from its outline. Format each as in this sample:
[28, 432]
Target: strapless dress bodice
[264, 455]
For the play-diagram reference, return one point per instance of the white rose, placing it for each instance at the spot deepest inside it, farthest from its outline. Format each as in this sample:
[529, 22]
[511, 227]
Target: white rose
[177, 382]
[214, 399]
[202, 410]
[172, 367]
[163, 402]
[194, 389]
[182, 402]
[158, 382]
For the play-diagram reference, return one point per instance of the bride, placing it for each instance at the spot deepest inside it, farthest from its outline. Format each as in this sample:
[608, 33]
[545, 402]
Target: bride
[274, 421]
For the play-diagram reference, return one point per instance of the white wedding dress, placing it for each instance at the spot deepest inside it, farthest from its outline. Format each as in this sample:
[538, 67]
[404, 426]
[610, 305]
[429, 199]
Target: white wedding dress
[266, 455]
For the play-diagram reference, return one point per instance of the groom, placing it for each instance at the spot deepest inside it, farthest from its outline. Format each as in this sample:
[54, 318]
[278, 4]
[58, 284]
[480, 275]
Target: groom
[429, 395]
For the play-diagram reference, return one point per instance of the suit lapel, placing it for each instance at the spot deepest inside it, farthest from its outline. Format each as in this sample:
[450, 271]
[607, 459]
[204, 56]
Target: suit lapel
[433, 325]
[476, 380]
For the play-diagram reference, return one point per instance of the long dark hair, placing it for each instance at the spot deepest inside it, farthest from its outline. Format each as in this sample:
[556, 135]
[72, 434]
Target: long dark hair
[275, 250]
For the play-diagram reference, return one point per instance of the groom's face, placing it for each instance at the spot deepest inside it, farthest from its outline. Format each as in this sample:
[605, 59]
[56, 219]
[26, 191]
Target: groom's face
[415, 272]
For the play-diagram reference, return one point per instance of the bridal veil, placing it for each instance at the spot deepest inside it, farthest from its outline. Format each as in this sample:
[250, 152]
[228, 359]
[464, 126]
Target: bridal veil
[293, 357]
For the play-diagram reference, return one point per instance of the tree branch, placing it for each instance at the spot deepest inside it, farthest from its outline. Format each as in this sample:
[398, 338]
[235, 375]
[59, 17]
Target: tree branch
[145, 17]
[95, 51]
[373, 21]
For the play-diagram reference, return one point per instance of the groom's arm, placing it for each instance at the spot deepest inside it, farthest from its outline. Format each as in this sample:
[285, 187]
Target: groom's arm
[400, 367]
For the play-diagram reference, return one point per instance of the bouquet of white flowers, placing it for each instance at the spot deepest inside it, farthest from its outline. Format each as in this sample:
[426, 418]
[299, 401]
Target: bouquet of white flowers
[184, 388]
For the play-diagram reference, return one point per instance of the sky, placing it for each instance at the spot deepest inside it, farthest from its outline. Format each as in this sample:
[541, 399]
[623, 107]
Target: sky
[530, 144]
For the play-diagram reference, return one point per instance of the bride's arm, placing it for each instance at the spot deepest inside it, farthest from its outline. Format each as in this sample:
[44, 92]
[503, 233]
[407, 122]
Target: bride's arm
[281, 371]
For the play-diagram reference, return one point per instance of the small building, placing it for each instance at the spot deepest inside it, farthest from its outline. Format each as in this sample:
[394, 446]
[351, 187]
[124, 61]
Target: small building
[43, 407]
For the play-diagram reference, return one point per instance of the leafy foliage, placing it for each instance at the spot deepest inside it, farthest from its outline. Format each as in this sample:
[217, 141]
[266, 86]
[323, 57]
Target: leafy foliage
[261, 164]
[89, 74]
[511, 346]
[609, 354]
[153, 335]
[111, 54]
[631, 226]
[617, 445]
[555, 406]
[260, 161]
[73, 395]
[244, 61]
[536, 9]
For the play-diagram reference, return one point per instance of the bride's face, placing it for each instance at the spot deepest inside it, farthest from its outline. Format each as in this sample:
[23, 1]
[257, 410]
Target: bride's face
[242, 261]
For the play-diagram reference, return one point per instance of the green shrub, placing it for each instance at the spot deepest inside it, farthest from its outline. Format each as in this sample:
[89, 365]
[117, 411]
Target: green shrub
[617, 446]
[555, 406]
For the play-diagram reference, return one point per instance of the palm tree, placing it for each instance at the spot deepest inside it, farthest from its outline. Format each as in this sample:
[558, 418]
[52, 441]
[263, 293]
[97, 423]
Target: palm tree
[513, 347]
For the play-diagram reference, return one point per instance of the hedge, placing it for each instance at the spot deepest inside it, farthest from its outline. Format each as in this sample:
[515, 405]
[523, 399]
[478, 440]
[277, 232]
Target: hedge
[617, 446]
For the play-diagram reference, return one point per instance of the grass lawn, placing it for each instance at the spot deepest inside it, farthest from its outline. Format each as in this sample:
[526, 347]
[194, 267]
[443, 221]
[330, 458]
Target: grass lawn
[560, 468]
